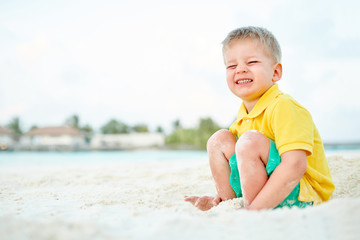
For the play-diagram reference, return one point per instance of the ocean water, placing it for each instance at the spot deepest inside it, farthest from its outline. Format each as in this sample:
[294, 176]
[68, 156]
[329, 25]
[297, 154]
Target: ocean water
[56, 158]
[40, 158]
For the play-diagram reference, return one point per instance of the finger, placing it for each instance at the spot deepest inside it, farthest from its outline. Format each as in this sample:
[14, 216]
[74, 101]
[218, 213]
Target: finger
[192, 199]
[216, 200]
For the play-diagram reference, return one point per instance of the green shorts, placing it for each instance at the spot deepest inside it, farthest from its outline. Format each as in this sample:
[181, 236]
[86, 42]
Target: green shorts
[274, 160]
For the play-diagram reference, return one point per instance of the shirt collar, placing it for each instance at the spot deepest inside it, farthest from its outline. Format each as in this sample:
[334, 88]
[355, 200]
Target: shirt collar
[262, 104]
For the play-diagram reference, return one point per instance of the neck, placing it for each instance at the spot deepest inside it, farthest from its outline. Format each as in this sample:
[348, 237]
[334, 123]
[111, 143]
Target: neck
[249, 105]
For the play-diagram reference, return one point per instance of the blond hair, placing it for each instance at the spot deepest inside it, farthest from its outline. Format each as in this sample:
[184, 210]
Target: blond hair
[266, 38]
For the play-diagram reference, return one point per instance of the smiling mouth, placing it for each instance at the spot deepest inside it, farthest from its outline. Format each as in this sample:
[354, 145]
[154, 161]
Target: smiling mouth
[243, 81]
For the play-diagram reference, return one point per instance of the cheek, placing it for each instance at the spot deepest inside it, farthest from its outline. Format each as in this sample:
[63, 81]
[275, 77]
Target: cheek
[229, 74]
[229, 78]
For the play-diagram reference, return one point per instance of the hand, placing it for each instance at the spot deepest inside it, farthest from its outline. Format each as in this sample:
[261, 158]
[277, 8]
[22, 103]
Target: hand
[203, 203]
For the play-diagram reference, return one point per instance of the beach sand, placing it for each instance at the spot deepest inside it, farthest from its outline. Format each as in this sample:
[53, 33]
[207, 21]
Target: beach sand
[145, 201]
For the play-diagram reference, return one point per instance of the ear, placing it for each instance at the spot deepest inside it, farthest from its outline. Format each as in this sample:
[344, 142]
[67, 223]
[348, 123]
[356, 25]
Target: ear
[277, 72]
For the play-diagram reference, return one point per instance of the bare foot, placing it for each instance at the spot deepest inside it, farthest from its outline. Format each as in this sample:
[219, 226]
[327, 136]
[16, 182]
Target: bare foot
[203, 203]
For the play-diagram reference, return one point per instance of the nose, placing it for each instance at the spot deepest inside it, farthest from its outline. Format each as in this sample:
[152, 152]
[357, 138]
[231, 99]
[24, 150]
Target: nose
[241, 68]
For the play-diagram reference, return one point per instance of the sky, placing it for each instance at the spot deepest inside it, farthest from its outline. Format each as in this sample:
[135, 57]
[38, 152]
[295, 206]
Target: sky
[156, 61]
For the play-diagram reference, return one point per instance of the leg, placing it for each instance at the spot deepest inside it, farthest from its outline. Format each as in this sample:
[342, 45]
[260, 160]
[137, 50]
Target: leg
[220, 146]
[252, 151]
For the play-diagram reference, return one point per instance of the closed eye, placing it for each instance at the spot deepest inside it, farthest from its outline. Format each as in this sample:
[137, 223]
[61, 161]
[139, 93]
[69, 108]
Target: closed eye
[231, 67]
[252, 62]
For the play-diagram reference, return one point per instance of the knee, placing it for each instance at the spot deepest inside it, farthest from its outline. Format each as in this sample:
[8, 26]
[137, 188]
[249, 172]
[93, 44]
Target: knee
[250, 142]
[220, 139]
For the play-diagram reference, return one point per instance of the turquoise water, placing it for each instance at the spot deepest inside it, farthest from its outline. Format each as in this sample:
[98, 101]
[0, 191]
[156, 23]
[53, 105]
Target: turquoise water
[110, 156]
[98, 156]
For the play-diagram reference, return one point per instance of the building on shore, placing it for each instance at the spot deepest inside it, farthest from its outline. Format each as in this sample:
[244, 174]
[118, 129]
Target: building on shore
[127, 141]
[7, 139]
[65, 138]
[53, 138]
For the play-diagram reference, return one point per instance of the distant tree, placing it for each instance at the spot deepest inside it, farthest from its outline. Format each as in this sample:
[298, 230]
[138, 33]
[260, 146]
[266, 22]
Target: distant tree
[182, 138]
[176, 124]
[87, 128]
[140, 128]
[88, 131]
[14, 125]
[73, 121]
[192, 137]
[115, 127]
[207, 127]
[159, 129]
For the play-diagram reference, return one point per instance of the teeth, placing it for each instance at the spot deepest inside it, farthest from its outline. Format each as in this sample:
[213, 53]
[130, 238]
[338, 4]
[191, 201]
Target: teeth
[244, 81]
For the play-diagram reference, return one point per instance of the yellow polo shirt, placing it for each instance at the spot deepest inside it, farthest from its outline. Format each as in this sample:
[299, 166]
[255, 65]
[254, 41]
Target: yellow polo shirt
[291, 127]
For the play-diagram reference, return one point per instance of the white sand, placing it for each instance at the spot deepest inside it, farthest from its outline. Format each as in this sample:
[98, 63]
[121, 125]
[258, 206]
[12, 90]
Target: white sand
[145, 201]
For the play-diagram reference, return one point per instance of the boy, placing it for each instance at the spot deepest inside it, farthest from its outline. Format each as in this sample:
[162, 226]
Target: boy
[273, 155]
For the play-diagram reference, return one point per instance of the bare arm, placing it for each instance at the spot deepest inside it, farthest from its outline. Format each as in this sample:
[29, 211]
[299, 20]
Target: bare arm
[282, 181]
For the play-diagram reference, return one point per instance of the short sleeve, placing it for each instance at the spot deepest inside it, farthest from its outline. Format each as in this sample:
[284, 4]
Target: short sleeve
[292, 126]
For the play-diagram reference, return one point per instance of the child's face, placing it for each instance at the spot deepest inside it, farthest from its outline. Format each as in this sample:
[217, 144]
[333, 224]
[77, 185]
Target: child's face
[250, 71]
